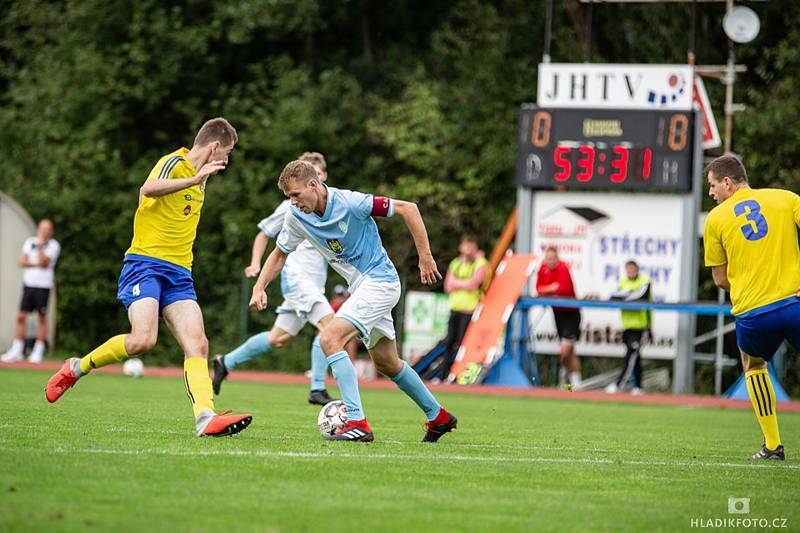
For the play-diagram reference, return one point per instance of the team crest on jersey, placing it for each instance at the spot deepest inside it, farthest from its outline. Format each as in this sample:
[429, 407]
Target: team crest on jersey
[335, 246]
[187, 197]
[187, 210]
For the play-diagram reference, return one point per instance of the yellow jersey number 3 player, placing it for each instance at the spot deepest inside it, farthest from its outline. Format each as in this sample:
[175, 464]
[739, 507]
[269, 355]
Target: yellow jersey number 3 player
[156, 276]
[751, 246]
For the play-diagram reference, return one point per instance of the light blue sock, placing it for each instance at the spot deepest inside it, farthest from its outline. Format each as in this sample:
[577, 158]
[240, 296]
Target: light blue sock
[409, 382]
[319, 365]
[249, 349]
[346, 378]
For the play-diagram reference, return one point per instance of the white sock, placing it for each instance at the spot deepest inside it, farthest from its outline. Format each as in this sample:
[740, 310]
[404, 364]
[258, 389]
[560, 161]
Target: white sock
[574, 378]
[75, 366]
[38, 349]
[16, 347]
[202, 421]
[562, 376]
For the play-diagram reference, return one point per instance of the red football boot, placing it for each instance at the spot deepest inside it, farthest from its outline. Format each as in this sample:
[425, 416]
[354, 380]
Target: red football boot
[60, 382]
[443, 423]
[224, 424]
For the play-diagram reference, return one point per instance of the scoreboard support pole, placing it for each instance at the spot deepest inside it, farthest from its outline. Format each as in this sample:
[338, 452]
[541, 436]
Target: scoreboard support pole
[683, 365]
[524, 236]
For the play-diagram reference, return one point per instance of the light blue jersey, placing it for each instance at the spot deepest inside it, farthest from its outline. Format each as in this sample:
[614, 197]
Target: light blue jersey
[305, 265]
[345, 235]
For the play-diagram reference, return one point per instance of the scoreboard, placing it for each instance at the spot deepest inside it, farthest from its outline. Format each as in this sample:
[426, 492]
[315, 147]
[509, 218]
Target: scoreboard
[605, 149]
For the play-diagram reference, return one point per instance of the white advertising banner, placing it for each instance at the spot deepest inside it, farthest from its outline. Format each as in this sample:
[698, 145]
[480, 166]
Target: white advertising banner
[596, 233]
[615, 86]
[424, 322]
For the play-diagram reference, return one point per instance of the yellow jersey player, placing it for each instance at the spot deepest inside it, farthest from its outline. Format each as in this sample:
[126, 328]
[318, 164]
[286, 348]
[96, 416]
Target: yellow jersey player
[156, 276]
[751, 246]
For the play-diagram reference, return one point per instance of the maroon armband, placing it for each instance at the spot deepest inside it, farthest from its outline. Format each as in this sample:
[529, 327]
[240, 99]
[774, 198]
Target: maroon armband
[380, 206]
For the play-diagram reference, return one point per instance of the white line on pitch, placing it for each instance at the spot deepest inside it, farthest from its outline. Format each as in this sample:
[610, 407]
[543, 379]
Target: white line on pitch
[396, 457]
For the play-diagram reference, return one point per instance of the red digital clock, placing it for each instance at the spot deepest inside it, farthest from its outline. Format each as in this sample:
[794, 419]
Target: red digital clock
[617, 162]
[605, 149]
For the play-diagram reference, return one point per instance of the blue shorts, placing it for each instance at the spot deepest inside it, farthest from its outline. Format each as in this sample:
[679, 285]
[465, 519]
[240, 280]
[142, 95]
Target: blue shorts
[148, 277]
[761, 331]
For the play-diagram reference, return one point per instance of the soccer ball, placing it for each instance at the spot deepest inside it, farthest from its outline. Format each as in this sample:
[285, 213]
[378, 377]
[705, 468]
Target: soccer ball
[332, 416]
[133, 367]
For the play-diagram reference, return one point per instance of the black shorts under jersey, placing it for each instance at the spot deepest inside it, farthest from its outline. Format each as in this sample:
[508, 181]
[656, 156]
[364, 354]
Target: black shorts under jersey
[568, 324]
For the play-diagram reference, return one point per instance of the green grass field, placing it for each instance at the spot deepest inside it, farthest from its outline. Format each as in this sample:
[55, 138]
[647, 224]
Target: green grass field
[118, 454]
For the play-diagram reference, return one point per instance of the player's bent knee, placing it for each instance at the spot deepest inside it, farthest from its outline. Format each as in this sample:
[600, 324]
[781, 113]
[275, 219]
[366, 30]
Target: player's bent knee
[330, 343]
[323, 322]
[278, 339]
[752, 363]
[759, 364]
[390, 367]
[138, 344]
[199, 347]
[279, 343]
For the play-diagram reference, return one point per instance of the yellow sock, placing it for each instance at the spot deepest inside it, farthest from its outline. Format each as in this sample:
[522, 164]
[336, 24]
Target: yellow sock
[762, 395]
[110, 352]
[198, 384]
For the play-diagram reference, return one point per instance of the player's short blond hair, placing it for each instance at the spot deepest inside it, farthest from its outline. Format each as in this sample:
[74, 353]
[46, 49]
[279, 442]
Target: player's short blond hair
[216, 129]
[316, 159]
[297, 170]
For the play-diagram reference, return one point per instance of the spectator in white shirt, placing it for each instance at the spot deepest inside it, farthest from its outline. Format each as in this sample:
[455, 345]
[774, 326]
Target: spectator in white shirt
[39, 256]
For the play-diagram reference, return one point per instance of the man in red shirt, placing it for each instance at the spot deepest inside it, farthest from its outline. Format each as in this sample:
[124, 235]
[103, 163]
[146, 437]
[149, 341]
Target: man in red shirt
[554, 280]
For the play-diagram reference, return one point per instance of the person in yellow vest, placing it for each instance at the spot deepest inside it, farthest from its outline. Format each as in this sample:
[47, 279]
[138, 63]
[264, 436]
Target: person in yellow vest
[636, 326]
[156, 278]
[466, 281]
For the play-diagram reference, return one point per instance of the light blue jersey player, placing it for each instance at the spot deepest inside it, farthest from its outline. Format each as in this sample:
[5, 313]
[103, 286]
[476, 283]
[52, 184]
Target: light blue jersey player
[340, 225]
[303, 286]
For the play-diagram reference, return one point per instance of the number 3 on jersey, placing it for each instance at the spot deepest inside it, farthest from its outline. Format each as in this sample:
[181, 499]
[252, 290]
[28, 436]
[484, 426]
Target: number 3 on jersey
[756, 227]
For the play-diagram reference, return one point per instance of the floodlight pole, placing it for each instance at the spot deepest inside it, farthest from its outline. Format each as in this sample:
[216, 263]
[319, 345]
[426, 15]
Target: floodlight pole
[548, 30]
[729, 79]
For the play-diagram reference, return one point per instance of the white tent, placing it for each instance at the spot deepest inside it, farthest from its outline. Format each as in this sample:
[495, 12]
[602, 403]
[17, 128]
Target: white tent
[16, 225]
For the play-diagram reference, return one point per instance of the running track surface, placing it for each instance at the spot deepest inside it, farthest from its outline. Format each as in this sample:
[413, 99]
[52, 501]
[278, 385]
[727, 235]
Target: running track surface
[486, 390]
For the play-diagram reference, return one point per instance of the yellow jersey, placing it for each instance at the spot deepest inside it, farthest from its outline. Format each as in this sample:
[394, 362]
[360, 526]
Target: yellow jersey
[754, 232]
[165, 227]
[463, 301]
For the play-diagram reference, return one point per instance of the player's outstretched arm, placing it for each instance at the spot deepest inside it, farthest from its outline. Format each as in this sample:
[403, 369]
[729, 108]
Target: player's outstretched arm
[154, 188]
[259, 247]
[410, 214]
[271, 269]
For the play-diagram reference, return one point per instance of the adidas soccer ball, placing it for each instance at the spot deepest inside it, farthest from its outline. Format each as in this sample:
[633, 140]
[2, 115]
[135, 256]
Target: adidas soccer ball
[332, 416]
[133, 367]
